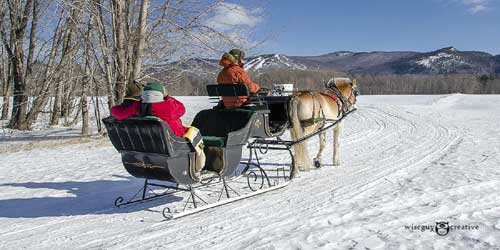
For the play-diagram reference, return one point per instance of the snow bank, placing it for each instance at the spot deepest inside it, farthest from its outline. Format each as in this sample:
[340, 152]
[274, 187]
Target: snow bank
[409, 163]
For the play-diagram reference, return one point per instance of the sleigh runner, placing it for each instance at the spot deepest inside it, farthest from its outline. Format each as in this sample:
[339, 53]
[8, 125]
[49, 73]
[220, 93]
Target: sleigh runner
[150, 150]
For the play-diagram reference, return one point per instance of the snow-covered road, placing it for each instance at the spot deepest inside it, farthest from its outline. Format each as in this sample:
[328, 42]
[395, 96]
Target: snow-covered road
[407, 161]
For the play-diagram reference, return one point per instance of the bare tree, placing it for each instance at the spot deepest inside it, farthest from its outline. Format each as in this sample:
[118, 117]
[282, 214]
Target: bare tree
[69, 50]
[89, 76]
[119, 14]
[93, 47]
[19, 16]
[5, 77]
[139, 41]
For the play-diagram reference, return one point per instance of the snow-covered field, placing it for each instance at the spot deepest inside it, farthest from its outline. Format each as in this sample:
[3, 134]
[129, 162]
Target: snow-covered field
[407, 162]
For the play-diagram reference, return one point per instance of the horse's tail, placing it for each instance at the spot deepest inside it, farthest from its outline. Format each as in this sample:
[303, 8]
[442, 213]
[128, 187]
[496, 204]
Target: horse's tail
[297, 132]
[293, 116]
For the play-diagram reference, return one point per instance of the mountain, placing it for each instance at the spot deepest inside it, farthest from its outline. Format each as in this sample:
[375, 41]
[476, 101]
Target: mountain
[497, 67]
[273, 61]
[355, 62]
[446, 61]
[443, 61]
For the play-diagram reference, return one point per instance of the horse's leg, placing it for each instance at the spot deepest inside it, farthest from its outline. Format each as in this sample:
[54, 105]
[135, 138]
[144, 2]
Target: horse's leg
[336, 149]
[322, 142]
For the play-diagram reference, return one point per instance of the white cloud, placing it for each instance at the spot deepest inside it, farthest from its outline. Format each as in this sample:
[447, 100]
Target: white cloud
[228, 16]
[474, 1]
[236, 26]
[476, 6]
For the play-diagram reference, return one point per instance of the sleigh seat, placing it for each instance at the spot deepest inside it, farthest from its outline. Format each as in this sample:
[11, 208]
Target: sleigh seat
[224, 133]
[271, 115]
[149, 149]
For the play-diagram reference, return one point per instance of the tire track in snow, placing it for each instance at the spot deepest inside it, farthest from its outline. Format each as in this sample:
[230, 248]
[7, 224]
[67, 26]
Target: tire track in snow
[369, 170]
[373, 136]
[424, 141]
[378, 142]
[366, 173]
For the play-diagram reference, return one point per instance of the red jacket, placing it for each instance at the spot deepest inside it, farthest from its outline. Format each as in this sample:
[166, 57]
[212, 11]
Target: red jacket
[233, 74]
[170, 111]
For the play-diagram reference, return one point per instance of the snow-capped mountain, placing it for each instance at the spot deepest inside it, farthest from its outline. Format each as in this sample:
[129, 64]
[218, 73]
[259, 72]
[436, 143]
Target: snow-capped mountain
[446, 61]
[353, 62]
[272, 61]
[443, 61]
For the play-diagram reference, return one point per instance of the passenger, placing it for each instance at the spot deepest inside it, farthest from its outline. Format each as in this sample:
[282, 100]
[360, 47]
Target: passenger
[133, 93]
[155, 102]
[234, 73]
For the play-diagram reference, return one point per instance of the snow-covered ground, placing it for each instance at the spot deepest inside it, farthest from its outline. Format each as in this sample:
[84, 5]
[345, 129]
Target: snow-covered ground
[407, 162]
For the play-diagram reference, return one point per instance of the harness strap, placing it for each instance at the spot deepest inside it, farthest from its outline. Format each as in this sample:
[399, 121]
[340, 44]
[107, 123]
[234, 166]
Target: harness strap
[321, 113]
[344, 108]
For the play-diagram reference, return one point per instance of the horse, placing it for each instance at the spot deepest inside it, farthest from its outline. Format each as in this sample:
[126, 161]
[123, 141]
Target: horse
[310, 111]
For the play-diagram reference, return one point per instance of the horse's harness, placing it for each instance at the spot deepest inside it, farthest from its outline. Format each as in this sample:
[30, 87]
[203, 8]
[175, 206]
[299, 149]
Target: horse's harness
[344, 100]
[343, 104]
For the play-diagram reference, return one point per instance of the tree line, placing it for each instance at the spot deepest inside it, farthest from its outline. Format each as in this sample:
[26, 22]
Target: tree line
[428, 84]
[58, 52]
[368, 84]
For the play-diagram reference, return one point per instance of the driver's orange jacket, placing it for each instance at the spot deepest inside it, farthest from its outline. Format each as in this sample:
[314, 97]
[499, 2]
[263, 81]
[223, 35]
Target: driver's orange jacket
[234, 74]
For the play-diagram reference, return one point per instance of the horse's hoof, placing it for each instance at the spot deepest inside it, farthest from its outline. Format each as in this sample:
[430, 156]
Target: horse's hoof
[336, 163]
[317, 164]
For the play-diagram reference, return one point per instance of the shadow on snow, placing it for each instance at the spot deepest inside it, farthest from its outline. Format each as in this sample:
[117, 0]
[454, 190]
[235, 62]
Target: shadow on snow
[93, 197]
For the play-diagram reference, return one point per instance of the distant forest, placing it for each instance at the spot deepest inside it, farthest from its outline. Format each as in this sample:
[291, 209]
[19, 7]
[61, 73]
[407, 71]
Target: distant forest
[195, 84]
[368, 84]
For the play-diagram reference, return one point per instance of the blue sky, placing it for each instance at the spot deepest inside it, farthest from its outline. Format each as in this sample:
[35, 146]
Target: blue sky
[316, 27]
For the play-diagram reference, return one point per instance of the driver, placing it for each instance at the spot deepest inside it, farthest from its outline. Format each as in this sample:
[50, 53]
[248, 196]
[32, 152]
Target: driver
[234, 73]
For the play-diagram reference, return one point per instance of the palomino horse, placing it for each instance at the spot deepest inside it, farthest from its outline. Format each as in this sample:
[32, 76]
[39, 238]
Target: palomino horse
[309, 112]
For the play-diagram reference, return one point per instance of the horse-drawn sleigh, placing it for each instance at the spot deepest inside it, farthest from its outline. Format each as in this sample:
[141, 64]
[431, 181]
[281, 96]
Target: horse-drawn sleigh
[166, 162]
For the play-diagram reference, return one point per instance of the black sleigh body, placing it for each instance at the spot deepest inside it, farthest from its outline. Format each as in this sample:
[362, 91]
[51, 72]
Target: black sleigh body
[150, 150]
